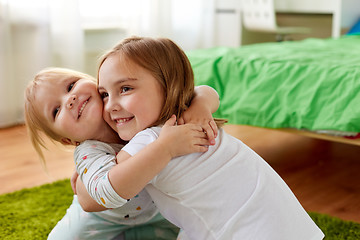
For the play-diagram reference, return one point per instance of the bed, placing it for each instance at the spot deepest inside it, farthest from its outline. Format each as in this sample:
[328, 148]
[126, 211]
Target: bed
[311, 87]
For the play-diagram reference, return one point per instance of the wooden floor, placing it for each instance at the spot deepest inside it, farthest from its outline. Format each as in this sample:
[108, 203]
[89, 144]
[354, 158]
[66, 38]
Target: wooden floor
[323, 175]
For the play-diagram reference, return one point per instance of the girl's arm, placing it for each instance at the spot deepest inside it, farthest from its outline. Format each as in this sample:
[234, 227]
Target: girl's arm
[205, 102]
[87, 203]
[132, 173]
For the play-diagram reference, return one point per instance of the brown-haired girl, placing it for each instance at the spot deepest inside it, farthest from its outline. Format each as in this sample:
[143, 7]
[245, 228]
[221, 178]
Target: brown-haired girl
[227, 192]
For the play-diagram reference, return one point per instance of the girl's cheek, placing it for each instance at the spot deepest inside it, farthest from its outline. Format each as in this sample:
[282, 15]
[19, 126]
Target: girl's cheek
[107, 118]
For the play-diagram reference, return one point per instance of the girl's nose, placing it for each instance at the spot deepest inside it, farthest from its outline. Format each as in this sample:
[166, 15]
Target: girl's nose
[112, 105]
[71, 101]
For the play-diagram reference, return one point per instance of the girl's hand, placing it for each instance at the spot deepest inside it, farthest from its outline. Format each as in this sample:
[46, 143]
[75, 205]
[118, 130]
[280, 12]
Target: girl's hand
[183, 139]
[73, 181]
[203, 105]
[202, 116]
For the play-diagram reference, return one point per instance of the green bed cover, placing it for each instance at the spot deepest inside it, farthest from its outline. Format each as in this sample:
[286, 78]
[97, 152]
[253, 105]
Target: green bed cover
[312, 84]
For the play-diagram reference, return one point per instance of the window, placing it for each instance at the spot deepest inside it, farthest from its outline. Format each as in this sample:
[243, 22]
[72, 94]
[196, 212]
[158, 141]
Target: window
[106, 13]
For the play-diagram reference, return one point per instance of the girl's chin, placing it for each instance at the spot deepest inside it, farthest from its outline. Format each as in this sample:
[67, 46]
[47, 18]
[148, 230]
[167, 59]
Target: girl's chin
[127, 132]
[126, 136]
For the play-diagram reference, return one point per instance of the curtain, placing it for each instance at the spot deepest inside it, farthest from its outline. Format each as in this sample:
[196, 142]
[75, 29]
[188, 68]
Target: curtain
[42, 33]
[34, 35]
[190, 23]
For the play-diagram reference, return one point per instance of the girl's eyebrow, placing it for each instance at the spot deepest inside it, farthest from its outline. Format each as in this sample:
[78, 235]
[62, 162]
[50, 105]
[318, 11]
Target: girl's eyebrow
[121, 80]
[72, 78]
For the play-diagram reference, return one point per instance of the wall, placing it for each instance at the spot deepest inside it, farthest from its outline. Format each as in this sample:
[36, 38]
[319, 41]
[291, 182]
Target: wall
[97, 41]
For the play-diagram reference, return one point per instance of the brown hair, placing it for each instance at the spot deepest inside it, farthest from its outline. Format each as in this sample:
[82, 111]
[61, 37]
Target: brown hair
[34, 120]
[167, 63]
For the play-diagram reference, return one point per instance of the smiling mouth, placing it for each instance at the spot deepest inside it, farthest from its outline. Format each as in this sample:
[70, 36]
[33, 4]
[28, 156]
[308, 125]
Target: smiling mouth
[82, 108]
[121, 121]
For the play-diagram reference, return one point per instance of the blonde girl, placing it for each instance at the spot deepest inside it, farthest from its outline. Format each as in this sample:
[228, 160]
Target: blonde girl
[227, 192]
[65, 106]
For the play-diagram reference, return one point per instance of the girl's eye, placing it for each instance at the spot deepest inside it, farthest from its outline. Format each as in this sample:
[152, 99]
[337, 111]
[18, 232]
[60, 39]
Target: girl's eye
[71, 86]
[55, 112]
[125, 89]
[104, 95]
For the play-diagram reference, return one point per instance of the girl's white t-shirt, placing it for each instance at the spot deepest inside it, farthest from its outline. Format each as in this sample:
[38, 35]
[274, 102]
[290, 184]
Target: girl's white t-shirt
[228, 192]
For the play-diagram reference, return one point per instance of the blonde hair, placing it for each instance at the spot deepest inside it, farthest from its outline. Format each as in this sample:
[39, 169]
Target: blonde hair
[34, 120]
[168, 64]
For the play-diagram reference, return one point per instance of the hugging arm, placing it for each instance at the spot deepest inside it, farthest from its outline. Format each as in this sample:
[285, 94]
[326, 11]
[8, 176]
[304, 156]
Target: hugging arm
[93, 161]
[204, 104]
[130, 175]
[87, 203]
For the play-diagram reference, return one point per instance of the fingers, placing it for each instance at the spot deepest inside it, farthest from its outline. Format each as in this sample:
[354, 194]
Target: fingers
[210, 134]
[211, 131]
[214, 127]
[201, 148]
[73, 181]
[201, 144]
[205, 132]
[171, 121]
[200, 137]
[73, 187]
